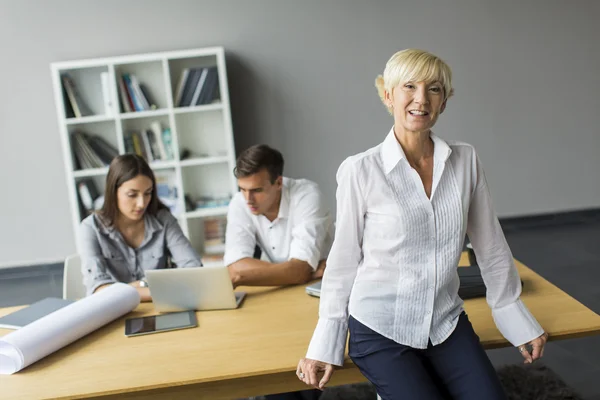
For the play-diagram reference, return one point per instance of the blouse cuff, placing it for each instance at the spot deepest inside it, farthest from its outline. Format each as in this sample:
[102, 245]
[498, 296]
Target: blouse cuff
[516, 323]
[328, 343]
[97, 283]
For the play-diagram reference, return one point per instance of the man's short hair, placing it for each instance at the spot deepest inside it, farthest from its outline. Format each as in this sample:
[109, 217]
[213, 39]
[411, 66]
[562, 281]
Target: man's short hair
[257, 157]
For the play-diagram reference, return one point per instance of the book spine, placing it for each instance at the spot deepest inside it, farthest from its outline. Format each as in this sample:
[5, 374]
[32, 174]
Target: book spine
[180, 85]
[108, 106]
[135, 84]
[136, 104]
[199, 86]
[156, 129]
[168, 142]
[147, 148]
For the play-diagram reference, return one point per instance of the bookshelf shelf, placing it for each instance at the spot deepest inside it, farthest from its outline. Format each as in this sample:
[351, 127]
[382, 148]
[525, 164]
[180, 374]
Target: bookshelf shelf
[90, 172]
[207, 212]
[114, 105]
[89, 119]
[163, 164]
[145, 114]
[208, 107]
[204, 161]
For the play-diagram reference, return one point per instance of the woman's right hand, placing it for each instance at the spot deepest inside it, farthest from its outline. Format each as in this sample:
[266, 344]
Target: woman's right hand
[308, 371]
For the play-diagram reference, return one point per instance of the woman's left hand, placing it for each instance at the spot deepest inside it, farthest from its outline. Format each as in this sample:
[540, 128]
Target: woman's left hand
[537, 349]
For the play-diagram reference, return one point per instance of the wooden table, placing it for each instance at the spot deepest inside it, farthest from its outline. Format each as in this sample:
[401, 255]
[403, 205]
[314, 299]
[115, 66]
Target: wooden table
[239, 353]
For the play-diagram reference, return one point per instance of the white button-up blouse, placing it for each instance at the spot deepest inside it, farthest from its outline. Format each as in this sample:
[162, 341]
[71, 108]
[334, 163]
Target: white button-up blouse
[393, 264]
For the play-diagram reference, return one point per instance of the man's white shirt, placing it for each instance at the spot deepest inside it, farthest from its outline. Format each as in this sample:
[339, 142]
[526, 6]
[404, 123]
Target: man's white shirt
[302, 230]
[393, 264]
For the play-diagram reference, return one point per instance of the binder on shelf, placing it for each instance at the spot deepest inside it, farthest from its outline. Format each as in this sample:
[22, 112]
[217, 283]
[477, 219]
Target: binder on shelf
[208, 91]
[88, 194]
[199, 86]
[91, 151]
[80, 109]
[180, 85]
[190, 87]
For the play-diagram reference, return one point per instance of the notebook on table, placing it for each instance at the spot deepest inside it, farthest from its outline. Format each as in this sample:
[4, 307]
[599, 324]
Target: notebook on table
[27, 315]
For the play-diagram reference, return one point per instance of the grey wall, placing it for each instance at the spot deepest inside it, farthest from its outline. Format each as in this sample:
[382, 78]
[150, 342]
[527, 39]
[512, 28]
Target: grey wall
[301, 79]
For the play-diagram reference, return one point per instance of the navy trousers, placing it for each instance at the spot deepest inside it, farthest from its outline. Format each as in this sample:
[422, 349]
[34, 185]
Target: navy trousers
[456, 369]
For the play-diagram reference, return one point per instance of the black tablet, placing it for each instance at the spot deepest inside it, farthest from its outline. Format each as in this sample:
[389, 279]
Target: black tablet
[160, 323]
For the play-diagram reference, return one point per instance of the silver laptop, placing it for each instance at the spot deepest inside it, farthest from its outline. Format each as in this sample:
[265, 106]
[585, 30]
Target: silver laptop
[202, 288]
[314, 289]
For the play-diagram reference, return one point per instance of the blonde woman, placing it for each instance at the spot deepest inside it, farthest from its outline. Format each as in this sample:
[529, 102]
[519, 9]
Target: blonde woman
[391, 281]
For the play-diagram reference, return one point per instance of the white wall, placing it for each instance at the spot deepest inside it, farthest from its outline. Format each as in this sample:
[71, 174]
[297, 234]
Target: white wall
[301, 79]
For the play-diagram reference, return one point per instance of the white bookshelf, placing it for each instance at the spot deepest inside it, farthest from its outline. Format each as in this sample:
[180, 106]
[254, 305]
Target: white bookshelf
[204, 130]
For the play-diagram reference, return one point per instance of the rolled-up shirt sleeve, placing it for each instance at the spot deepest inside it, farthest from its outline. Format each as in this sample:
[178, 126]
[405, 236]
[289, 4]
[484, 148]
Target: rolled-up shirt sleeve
[182, 252]
[328, 343]
[513, 319]
[240, 235]
[93, 263]
[309, 233]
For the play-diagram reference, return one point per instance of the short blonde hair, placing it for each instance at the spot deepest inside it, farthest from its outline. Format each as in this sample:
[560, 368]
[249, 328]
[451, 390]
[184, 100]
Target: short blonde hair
[414, 65]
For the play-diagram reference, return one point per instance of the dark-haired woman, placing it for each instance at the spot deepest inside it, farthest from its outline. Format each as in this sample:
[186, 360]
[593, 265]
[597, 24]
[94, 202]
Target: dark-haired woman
[132, 233]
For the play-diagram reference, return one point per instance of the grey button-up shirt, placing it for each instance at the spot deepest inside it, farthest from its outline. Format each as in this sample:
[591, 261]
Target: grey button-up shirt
[107, 258]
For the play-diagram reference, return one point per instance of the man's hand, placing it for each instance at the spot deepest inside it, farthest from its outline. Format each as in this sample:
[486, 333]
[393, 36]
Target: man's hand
[320, 270]
[233, 274]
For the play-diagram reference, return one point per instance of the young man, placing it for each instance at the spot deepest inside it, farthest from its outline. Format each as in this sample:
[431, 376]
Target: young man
[285, 217]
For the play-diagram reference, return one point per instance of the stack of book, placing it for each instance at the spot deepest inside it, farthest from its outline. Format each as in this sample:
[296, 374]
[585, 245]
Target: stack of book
[134, 95]
[214, 235]
[154, 144]
[91, 151]
[197, 86]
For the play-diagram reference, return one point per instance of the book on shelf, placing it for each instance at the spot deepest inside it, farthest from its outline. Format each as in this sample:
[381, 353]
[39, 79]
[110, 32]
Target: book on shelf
[196, 86]
[108, 102]
[89, 196]
[91, 151]
[78, 106]
[134, 95]
[126, 103]
[158, 140]
[166, 190]
[153, 143]
[212, 201]
[180, 86]
[214, 235]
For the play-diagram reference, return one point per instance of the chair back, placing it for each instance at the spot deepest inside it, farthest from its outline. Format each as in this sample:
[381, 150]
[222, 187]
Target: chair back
[73, 287]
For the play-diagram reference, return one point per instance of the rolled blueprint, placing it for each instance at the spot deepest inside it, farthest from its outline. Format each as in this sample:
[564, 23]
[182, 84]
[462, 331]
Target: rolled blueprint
[48, 334]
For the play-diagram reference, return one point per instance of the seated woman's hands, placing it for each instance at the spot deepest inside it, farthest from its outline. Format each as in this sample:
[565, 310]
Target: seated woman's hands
[309, 372]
